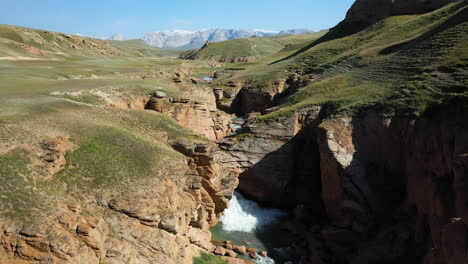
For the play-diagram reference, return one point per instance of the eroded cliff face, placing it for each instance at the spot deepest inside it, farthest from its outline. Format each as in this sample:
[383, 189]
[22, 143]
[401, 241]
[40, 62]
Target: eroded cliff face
[279, 157]
[165, 221]
[367, 188]
[200, 117]
[244, 98]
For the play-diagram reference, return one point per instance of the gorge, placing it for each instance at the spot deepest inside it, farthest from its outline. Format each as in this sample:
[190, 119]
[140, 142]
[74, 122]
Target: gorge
[345, 147]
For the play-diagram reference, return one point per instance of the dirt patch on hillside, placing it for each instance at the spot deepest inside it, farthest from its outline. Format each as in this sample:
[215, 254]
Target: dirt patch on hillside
[18, 58]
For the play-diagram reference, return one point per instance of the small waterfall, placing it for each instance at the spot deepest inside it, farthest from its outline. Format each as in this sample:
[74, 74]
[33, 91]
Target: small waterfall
[247, 216]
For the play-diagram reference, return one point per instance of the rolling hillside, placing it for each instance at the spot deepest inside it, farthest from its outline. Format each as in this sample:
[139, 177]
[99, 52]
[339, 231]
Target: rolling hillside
[27, 43]
[402, 63]
[250, 48]
[139, 47]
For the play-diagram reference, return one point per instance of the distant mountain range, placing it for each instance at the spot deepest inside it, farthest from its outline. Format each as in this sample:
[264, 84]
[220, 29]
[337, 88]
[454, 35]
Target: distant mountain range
[182, 39]
[119, 37]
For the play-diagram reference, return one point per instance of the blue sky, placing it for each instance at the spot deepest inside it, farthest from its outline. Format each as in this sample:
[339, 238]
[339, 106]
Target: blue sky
[134, 18]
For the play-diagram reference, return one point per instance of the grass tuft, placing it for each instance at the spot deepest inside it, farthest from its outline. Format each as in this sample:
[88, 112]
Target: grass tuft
[209, 259]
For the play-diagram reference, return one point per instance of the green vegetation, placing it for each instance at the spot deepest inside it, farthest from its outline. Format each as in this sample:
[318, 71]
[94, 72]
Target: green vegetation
[113, 157]
[56, 95]
[403, 65]
[243, 136]
[208, 259]
[252, 47]
[336, 91]
[42, 44]
[139, 47]
[21, 195]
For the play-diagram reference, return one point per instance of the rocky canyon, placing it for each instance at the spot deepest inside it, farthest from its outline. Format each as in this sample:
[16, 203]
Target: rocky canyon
[356, 138]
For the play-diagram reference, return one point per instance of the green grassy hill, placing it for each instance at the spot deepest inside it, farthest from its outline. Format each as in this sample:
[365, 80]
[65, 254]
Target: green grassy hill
[139, 47]
[53, 86]
[402, 64]
[251, 47]
[28, 43]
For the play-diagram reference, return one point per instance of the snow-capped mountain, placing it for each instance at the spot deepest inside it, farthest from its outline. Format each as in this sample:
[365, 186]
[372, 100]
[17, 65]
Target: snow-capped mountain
[117, 37]
[183, 39]
[196, 39]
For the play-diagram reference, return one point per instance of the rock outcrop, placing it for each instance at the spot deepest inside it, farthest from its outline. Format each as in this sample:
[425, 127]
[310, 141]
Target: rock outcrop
[244, 98]
[166, 221]
[218, 183]
[122, 230]
[236, 59]
[197, 116]
[367, 188]
[276, 160]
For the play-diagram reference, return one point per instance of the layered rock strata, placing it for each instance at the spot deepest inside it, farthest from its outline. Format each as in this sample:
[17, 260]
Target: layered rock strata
[367, 188]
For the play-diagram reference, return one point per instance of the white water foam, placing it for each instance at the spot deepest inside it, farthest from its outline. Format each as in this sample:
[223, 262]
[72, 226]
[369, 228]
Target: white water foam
[264, 260]
[245, 216]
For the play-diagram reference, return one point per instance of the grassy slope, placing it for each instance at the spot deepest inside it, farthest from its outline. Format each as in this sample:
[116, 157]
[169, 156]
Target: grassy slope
[255, 46]
[16, 41]
[404, 64]
[117, 149]
[139, 46]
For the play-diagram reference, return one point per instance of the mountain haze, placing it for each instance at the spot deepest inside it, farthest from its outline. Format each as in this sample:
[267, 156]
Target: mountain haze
[118, 37]
[195, 39]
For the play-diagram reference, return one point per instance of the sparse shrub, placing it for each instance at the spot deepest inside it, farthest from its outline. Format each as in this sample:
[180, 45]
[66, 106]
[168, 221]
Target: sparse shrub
[208, 259]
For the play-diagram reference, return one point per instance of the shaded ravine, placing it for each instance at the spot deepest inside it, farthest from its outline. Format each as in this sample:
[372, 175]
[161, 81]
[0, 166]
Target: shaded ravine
[360, 186]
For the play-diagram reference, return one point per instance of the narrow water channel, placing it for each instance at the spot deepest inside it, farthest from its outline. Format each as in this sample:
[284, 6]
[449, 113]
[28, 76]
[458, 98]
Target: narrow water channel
[246, 223]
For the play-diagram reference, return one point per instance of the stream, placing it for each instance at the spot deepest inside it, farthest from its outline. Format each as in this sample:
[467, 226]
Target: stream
[207, 78]
[246, 223]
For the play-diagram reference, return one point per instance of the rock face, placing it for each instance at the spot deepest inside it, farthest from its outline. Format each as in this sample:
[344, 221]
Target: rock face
[166, 221]
[389, 188]
[371, 11]
[218, 182]
[124, 230]
[242, 98]
[198, 116]
[415, 168]
[276, 157]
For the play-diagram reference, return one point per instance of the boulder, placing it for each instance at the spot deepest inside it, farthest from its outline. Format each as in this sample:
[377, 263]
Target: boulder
[160, 94]
[240, 249]
[231, 253]
[184, 146]
[219, 94]
[228, 244]
[170, 223]
[220, 251]
[253, 255]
